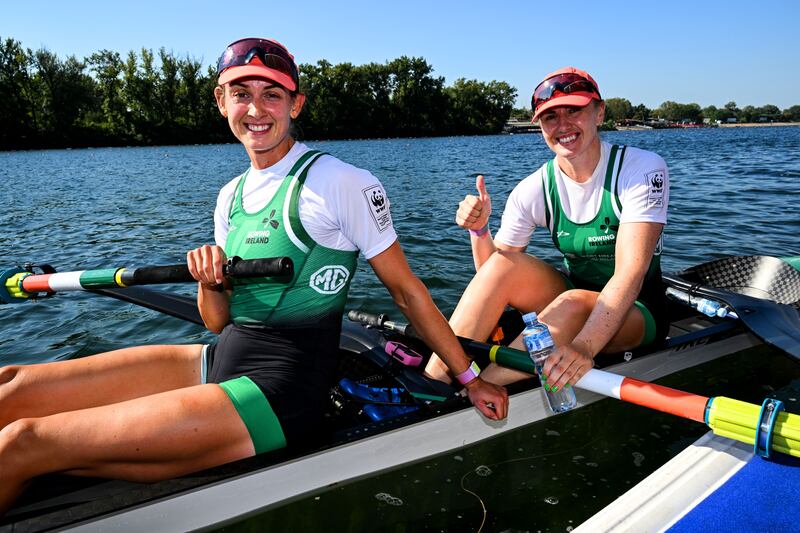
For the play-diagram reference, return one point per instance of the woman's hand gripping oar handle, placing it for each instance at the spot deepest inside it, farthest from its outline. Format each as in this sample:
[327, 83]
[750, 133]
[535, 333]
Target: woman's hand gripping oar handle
[17, 285]
[235, 268]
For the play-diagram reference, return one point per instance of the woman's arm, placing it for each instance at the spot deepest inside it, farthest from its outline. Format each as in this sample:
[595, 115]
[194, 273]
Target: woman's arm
[213, 290]
[413, 299]
[636, 242]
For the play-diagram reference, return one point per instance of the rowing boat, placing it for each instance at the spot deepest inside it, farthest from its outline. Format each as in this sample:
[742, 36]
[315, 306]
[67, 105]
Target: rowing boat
[761, 291]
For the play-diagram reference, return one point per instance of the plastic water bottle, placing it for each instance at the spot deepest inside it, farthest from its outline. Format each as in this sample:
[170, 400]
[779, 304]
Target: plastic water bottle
[540, 345]
[704, 305]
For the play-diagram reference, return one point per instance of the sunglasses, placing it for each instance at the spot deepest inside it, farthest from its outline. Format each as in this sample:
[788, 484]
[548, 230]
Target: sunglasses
[562, 84]
[273, 55]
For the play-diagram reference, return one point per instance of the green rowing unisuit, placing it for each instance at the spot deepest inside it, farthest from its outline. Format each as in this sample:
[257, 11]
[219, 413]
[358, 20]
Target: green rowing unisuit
[317, 292]
[589, 248]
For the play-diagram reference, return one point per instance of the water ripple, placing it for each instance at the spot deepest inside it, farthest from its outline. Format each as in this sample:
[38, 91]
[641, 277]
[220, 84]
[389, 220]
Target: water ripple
[732, 192]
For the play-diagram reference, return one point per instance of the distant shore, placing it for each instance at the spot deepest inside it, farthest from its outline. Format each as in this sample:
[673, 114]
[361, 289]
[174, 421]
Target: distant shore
[758, 124]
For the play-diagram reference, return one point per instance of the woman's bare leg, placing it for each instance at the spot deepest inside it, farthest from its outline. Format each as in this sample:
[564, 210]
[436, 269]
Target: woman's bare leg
[146, 439]
[45, 389]
[565, 317]
[507, 278]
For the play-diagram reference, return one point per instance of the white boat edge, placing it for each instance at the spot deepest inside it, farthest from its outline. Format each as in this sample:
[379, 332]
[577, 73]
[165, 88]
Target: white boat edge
[664, 497]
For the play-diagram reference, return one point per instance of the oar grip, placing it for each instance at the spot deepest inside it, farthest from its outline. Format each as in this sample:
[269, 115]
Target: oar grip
[256, 268]
[236, 267]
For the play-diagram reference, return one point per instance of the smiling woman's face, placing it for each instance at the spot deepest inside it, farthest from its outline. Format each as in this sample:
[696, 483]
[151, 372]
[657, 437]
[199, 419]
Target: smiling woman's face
[572, 132]
[260, 115]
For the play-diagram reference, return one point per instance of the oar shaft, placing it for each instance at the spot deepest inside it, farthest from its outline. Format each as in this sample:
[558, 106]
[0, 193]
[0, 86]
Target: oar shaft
[110, 278]
[730, 418]
[658, 397]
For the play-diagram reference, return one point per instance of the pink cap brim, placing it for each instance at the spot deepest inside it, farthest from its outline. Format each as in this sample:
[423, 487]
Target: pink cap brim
[256, 70]
[575, 99]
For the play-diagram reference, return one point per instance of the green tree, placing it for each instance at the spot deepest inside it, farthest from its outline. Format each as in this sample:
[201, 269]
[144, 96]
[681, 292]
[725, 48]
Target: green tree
[16, 114]
[521, 113]
[641, 112]
[618, 109]
[64, 96]
[675, 112]
[139, 95]
[791, 114]
[418, 97]
[107, 68]
[711, 113]
[479, 108]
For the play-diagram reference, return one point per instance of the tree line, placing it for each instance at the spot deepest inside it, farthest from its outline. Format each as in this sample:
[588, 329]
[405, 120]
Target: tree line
[149, 98]
[619, 110]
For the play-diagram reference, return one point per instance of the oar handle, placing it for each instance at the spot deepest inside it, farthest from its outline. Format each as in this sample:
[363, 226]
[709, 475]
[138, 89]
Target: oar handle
[236, 267]
[17, 285]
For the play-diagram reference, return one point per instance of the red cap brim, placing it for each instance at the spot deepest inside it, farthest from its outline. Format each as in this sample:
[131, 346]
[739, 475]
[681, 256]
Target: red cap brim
[256, 70]
[574, 99]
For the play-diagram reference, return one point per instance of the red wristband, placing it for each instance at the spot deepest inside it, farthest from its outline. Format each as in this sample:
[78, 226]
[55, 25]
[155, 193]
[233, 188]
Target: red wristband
[479, 232]
[472, 372]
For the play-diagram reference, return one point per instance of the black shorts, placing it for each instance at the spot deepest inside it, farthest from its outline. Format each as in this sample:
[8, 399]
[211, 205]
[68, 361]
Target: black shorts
[293, 368]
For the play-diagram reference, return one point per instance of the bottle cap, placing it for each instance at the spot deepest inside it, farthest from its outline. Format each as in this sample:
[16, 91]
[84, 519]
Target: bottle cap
[530, 318]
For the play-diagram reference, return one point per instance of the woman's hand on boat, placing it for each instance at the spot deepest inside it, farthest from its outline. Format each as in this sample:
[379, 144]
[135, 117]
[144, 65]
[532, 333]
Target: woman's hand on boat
[206, 264]
[490, 399]
[474, 211]
[567, 364]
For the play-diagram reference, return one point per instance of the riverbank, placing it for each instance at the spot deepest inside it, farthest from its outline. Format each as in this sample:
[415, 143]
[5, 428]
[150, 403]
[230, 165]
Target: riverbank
[758, 124]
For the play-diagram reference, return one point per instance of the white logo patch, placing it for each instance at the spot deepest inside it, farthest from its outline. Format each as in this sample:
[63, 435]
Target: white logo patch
[378, 206]
[655, 188]
[329, 279]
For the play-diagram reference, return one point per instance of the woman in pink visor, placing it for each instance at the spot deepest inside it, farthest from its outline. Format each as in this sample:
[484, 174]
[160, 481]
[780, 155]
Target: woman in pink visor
[155, 412]
[605, 207]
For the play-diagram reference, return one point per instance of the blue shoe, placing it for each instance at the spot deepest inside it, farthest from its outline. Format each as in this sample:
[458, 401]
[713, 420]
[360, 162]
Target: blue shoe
[384, 412]
[371, 394]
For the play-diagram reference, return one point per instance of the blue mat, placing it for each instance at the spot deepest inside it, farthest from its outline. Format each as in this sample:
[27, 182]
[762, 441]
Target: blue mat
[764, 496]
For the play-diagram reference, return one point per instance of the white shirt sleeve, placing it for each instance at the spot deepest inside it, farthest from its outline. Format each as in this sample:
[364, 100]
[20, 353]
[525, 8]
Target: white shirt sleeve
[222, 211]
[346, 208]
[644, 187]
[524, 211]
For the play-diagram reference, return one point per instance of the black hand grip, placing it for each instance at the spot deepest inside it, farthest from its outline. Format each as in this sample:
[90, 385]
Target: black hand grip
[368, 319]
[255, 268]
[236, 267]
[156, 275]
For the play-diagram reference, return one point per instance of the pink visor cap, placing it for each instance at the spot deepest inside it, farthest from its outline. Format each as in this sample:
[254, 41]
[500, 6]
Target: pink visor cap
[568, 86]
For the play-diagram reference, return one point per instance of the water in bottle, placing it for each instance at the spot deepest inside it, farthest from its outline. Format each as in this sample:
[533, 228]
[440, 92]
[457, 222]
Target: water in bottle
[704, 305]
[540, 345]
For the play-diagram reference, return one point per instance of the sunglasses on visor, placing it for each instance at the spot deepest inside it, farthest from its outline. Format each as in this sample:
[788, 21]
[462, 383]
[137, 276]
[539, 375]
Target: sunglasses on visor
[562, 84]
[271, 54]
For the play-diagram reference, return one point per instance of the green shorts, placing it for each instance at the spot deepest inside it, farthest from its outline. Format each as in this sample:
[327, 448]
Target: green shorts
[256, 413]
[650, 328]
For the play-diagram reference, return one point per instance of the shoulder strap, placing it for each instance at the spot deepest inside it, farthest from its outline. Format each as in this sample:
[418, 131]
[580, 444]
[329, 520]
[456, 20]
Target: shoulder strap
[236, 201]
[291, 213]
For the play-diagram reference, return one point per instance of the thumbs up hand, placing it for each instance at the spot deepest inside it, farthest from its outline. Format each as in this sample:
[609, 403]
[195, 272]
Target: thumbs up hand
[474, 211]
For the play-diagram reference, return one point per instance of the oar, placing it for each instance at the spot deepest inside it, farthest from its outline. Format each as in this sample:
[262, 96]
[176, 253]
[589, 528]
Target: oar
[18, 285]
[763, 291]
[767, 427]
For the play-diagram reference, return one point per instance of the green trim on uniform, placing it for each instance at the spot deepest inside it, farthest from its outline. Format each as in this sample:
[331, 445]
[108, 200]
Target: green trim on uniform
[649, 324]
[256, 413]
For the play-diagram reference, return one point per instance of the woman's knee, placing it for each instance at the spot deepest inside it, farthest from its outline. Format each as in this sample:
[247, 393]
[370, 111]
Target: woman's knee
[573, 302]
[17, 439]
[10, 378]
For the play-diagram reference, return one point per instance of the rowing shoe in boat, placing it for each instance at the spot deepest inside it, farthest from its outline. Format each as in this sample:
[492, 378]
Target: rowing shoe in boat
[366, 435]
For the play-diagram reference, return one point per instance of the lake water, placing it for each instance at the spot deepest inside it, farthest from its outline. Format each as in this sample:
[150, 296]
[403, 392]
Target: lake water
[733, 191]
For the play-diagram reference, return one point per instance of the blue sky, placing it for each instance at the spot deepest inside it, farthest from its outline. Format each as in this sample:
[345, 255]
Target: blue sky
[708, 52]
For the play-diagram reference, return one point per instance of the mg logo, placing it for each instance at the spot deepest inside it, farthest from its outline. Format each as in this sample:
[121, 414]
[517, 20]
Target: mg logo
[329, 279]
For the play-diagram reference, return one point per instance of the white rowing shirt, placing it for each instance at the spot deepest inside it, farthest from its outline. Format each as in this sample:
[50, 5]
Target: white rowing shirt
[341, 206]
